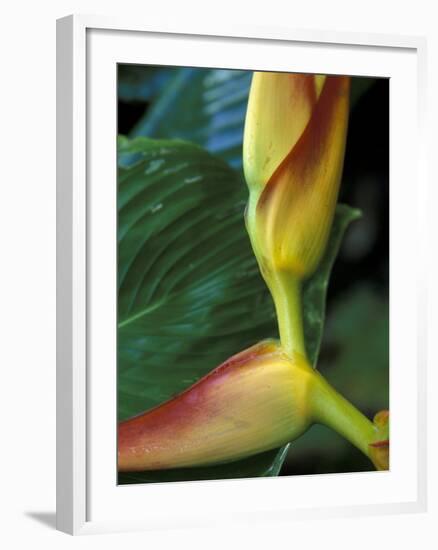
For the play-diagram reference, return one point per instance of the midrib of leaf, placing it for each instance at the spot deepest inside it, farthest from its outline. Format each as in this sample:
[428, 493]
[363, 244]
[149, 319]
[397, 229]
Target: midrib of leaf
[143, 313]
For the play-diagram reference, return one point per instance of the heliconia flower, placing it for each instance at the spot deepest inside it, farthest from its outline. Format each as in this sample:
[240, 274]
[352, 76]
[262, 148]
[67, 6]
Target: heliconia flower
[255, 401]
[379, 448]
[293, 152]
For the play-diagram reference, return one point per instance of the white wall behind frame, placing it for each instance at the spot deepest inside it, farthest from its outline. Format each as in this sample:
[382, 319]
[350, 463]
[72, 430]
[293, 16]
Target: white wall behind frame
[28, 55]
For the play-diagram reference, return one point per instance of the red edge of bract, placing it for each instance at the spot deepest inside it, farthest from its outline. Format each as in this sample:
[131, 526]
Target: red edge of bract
[258, 350]
[383, 443]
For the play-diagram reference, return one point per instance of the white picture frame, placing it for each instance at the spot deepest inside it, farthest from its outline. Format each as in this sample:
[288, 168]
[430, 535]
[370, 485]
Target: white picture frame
[88, 49]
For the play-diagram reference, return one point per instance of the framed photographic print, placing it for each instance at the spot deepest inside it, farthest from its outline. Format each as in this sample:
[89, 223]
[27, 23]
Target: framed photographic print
[238, 299]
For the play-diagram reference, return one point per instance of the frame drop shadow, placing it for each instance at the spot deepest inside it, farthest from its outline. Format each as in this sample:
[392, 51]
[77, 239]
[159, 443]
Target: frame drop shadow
[45, 518]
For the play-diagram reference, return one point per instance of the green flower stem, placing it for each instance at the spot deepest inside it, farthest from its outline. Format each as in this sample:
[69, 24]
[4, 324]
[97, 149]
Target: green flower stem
[286, 291]
[327, 406]
[333, 410]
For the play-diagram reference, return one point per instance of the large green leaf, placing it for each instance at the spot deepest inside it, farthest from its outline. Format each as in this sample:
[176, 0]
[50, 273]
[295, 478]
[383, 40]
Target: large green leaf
[190, 293]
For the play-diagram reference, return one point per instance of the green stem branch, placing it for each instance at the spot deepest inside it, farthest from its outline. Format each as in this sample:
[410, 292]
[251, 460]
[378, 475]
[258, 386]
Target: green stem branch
[333, 410]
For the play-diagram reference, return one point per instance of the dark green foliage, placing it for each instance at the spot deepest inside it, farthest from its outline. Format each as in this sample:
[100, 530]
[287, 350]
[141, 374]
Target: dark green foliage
[205, 106]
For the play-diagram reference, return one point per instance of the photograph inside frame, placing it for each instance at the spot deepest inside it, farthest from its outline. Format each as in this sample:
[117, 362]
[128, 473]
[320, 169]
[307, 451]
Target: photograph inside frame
[253, 274]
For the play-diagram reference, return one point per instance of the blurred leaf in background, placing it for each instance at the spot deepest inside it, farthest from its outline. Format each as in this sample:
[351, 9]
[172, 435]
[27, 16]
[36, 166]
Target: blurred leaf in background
[205, 106]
